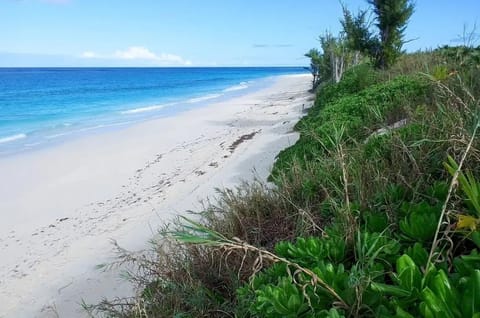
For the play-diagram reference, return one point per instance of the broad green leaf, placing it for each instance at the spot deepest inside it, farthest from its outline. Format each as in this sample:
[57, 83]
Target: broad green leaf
[426, 311]
[475, 237]
[409, 276]
[293, 302]
[333, 313]
[471, 295]
[418, 254]
[400, 313]
[435, 305]
[442, 288]
[389, 289]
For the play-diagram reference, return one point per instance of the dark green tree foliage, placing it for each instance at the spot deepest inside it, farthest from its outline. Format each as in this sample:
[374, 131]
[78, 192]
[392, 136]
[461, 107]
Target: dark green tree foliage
[391, 20]
[391, 17]
[335, 56]
[315, 65]
[357, 32]
[332, 60]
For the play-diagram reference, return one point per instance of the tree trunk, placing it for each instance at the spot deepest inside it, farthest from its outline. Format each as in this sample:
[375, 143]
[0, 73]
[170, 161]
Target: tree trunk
[356, 58]
[339, 66]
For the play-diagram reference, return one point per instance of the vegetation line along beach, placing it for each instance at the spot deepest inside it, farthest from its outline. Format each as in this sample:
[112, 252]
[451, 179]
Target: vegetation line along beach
[372, 213]
[188, 185]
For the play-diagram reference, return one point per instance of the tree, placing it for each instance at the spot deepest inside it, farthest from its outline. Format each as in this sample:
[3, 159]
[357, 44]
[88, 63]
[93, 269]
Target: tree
[315, 65]
[390, 17]
[357, 32]
[331, 61]
[335, 56]
[391, 20]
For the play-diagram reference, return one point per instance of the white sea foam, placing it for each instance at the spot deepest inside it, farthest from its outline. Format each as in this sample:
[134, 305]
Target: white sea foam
[57, 135]
[203, 98]
[12, 138]
[33, 144]
[144, 109]
[238, 87]
[80, 130]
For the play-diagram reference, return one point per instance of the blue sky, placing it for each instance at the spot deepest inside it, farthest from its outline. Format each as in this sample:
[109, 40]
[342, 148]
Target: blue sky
[196, 32]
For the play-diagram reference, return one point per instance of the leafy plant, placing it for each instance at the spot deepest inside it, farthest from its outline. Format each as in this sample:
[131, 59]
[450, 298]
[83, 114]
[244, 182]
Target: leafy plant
[432, 295]
[418, 254]
[469, 185]
[312, 250]
[391, 17]
[420, 221]
[469, 222]
[283, 299]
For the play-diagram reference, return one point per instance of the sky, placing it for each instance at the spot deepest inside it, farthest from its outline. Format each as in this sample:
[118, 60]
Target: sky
[78, 33]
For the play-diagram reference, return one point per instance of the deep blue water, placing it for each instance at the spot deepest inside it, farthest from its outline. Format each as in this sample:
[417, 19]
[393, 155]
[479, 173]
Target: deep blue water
[39, 106]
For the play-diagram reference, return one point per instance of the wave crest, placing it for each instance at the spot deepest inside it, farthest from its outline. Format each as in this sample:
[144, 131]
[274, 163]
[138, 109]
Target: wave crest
[144, 109]
[203, 98]
[238, 87]
[12, 138]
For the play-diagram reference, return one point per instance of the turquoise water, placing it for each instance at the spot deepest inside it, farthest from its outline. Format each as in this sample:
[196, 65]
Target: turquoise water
[41, 106]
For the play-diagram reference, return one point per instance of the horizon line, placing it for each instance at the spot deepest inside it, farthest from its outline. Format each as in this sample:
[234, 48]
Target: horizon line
[207, 66]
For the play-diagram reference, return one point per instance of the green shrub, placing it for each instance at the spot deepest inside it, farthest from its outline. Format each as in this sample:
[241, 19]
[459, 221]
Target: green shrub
[310, 251]
[353, 81]
[420, 221]
[432, 295]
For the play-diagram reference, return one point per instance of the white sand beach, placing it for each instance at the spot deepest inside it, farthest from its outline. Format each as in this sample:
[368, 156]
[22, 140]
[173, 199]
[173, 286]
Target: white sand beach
[61, 206]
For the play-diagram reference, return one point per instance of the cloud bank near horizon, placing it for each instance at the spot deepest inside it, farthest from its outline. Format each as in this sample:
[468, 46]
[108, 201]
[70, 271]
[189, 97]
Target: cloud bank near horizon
[140, 54]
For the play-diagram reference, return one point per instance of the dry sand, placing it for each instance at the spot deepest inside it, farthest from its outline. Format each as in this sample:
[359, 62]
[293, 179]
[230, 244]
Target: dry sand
[62, 206]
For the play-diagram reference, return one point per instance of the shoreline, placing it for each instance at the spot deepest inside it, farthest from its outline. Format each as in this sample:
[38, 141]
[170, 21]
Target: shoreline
[127, 113]
[117, 184]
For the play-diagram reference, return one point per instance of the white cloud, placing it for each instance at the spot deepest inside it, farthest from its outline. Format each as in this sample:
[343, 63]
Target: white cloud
[89, 55]
[136, 53]
[141, 54]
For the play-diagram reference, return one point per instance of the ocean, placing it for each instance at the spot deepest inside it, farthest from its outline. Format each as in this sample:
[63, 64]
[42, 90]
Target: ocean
[44, 106]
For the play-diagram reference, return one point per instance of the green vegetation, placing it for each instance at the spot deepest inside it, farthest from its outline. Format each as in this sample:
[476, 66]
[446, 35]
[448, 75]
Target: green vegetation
[315, 65]
[375, 210]
[382, 46]
[391, 17]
